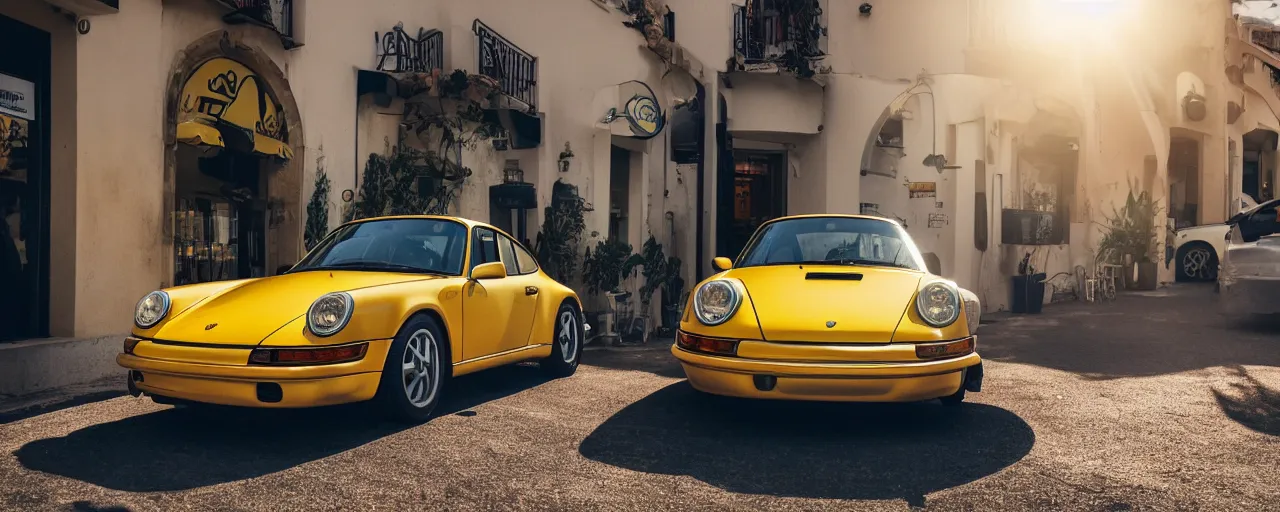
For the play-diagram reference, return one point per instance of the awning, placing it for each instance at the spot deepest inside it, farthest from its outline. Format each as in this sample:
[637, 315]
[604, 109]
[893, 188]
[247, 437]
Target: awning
[196, 133]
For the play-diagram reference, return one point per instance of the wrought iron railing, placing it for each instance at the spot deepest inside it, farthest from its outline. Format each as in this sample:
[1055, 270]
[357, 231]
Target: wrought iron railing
[274, 14]
[515, 70]
[397, 52]
[773, 30]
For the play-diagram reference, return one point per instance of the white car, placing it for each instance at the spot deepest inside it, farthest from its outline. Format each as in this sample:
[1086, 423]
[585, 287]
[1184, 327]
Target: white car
[1249, 283]
[1198, 249]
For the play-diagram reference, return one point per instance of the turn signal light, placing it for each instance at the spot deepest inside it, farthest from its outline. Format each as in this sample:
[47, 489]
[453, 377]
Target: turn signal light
[305, 356]
[949, 349]
[129, 343]
[695, 343]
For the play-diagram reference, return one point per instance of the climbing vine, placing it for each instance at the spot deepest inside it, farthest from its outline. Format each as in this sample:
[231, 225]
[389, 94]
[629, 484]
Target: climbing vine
[446, 113]
[318, 208]
[563, 222]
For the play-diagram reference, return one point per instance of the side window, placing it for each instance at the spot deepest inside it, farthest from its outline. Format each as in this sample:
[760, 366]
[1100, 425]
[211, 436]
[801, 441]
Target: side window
[526, 262]
[508, 259]
[484, 247]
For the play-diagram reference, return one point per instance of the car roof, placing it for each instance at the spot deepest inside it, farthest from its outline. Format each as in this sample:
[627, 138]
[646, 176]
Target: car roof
[469, 223]
[833, 216]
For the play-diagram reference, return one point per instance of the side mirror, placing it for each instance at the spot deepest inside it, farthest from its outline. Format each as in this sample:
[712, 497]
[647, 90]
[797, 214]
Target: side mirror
[722, 263]
[491, 270]
[282, 269]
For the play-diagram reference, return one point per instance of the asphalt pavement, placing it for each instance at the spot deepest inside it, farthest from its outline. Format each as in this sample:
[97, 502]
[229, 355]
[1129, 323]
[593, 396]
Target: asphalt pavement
[1153, 402]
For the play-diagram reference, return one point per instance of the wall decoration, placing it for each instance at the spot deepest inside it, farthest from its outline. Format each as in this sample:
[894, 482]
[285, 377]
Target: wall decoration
[566, 157]
[937, 220]
[637, 103]
[918, 189]
[869, 208]
[226, 104]
[397, 52]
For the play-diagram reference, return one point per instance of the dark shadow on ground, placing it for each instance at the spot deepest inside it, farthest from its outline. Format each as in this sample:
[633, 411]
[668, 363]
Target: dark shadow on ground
[178, 449]
[1251, 404]
[31, 412]
[654, 358]
[1136, 335]
[810, 450]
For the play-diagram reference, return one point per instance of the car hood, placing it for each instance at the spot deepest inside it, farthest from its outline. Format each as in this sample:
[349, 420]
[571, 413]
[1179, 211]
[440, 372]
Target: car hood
[828, 303]
[248, 312]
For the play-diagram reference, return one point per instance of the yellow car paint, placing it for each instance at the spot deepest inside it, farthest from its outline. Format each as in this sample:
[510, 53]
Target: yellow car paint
[200, 350]
[839, 338]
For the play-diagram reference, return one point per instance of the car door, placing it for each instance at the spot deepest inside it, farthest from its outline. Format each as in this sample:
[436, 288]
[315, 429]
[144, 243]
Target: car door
[1260, 223]
[524, 276]
[487, 305]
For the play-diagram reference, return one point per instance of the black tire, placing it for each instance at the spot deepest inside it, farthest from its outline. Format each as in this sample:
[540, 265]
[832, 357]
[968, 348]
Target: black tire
[1210, 271]
[954, 400]
[392, 397]
[561, 364]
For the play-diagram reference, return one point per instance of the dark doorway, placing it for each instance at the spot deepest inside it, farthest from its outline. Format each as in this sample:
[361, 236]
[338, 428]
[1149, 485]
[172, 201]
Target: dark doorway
[24, 181]
[220, 225]
[1184, 181]
[758, 194]
[1259, 166]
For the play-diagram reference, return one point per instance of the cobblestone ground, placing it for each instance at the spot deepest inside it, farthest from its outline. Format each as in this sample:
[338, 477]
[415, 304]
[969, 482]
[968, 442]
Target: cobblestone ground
[1150, 403]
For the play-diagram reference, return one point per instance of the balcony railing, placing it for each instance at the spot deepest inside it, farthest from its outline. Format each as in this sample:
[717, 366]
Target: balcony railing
[786, 32]
[515, 70]
[397, 52]
[276, 15]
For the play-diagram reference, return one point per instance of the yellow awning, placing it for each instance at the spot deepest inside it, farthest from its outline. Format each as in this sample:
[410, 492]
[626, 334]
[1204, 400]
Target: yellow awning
[200, 134]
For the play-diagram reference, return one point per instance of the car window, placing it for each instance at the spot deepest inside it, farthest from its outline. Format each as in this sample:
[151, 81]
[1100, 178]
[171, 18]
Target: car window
[508, 258]
[484, 247]
[425, 245]
[833, 240]
[525, 260]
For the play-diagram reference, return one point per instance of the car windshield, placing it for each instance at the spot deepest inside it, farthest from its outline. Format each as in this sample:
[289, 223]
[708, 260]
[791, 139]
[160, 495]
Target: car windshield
[428, 246]
[832, 241]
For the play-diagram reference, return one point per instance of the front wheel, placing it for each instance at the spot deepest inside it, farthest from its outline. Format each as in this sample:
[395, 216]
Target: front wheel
[566, 347]
[1197, 263]
[415, 372]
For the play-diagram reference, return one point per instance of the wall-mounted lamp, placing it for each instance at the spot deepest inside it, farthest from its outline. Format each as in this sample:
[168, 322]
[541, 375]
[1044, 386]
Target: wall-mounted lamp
[566, 156]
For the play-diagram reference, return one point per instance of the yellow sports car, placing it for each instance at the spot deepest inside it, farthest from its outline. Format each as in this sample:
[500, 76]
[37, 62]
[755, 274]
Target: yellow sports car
[385, 309]
[830, 308]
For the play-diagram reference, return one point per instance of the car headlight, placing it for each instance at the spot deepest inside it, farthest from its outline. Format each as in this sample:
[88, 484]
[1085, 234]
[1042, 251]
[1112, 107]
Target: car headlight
[330, 313]
[938, 303]
[716, 302]
[972, 310]
[151, 309]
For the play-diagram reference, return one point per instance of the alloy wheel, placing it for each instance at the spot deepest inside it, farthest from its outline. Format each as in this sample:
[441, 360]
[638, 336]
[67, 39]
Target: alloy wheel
[568, 337]
[420, 371]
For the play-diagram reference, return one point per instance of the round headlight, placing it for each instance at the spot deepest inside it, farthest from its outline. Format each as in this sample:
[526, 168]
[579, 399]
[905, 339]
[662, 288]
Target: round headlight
[716, 302]
[151, 309]
[330, 313]
[938, 304]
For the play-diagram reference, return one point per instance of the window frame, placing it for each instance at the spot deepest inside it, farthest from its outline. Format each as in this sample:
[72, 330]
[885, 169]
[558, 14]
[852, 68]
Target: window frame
[518, 247]
[477, 252]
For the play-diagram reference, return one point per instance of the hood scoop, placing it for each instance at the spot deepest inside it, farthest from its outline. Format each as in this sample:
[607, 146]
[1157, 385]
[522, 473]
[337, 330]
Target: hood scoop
[833, 276]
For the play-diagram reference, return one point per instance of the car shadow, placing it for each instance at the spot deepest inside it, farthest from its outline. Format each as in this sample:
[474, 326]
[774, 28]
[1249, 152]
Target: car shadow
[1251, 404]
[178, 449]
[1177, 330]
[810, 450]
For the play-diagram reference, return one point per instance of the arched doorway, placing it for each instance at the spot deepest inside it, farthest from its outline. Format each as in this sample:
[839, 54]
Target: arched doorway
[232, 182]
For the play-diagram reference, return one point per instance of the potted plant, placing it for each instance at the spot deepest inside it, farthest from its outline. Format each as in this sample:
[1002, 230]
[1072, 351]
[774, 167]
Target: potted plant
[1028, 288]
[603, 271]
[1130, 236]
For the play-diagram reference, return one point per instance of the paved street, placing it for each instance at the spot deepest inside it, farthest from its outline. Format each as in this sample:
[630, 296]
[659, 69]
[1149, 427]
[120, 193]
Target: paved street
[1151, 403]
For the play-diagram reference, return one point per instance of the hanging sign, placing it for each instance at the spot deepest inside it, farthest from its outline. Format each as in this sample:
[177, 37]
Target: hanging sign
[638, 105]
[17, 97]
[224, 103]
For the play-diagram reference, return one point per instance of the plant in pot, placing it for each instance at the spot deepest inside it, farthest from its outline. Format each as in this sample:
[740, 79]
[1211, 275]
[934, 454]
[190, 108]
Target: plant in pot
[1130, 238]
[603, 271]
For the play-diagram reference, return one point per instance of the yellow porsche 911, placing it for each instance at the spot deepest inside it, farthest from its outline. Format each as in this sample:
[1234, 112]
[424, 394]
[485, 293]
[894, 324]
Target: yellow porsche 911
[385, 309]
[830, 308]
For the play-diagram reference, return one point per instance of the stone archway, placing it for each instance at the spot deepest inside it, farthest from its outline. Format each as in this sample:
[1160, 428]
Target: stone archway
[284, 233]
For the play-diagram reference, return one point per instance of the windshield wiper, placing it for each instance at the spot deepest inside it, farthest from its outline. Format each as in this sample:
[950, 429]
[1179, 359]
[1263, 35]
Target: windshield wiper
[374, 266]
[853, 261]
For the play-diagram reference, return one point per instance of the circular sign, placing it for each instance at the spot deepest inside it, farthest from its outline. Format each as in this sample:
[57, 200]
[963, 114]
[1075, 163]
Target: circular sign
[644, 114]
[82, 26]
[348, 195]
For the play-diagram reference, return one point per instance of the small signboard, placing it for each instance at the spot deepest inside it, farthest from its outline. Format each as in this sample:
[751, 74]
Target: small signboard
[918, 189]
[17, 98]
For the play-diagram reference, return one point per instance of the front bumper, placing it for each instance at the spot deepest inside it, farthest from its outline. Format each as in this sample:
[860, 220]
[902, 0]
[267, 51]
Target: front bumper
[221, 376]
[895, 381]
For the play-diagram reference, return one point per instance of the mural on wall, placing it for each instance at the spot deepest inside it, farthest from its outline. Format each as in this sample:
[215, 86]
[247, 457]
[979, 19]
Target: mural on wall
[226, 104]
[13, 147]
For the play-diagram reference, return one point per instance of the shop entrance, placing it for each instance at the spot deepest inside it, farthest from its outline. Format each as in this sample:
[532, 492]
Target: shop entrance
[759, 194]
[24, 181]
[232, 134]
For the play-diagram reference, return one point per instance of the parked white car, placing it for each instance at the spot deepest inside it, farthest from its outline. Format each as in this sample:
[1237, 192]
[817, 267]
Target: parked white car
[1198, 249]
[1249, 281]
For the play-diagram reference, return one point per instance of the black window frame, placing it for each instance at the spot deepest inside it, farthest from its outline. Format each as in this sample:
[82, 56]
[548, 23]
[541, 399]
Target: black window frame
[517, 246]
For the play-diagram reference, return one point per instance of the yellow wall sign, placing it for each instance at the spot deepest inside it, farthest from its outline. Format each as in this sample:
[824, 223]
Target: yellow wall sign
[224, 103]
